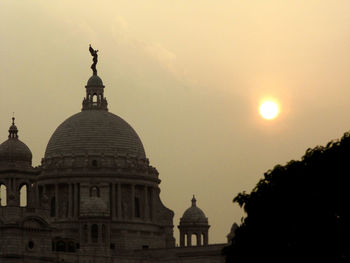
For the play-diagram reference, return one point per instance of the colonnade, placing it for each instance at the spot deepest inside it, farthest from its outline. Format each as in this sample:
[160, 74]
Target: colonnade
[117, 205]
[101, 231]
[117, 201]
[188, 238]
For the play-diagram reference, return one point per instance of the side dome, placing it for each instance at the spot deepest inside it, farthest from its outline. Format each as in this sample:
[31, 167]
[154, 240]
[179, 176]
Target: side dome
[95, 132]
[14, 152]
[193, 215]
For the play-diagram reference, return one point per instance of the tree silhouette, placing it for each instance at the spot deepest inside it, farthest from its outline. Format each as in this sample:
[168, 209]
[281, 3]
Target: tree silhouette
[299, 211]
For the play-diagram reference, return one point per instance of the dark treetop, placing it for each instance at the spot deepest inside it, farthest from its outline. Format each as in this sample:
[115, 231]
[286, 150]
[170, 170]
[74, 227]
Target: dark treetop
[299, 211]
[94, 59]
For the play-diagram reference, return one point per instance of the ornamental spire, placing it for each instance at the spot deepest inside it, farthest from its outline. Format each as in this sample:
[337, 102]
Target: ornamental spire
[13, 130]
[193, 201]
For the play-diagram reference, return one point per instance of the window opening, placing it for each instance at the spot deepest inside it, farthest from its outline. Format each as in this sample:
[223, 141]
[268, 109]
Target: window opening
[23, 196]
[3, 195]
[94, 233]
[53, 207]
[137, 207]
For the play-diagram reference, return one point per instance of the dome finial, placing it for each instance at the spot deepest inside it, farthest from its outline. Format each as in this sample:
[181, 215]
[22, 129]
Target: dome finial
[13, 129]
[193, 201]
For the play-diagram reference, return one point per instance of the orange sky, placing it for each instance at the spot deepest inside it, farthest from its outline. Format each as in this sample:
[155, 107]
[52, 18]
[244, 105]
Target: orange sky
[189, 77]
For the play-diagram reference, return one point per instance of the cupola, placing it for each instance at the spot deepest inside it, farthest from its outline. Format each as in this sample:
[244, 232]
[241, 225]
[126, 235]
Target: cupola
[193, 222]
[13, 152]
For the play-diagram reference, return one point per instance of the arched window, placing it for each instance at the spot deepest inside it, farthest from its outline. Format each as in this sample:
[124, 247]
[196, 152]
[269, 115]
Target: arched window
[94, 99]
[137, 207]
[103, 233]
[94, 191]
[86, 238]
[53, 207]
[94, 163]
[71, 246]
[94, 233]
[23, 195]
[61, 246]
[194, 240]
[3, 195]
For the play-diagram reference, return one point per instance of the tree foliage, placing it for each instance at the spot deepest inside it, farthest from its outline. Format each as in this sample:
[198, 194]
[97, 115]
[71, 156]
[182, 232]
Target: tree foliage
[299, 211]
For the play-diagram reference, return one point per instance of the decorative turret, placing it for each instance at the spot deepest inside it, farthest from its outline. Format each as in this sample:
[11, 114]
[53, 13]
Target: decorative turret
[16, 171]
[193, 222]
[94, 99]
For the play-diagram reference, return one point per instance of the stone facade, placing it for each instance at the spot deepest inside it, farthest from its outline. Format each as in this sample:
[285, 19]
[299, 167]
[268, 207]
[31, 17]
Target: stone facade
[95, 197]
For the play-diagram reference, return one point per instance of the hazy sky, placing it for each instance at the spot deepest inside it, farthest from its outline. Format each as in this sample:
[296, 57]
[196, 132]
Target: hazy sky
[188, 75]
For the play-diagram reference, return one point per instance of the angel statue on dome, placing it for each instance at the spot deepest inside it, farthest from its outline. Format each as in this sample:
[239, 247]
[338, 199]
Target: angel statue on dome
[94, 59]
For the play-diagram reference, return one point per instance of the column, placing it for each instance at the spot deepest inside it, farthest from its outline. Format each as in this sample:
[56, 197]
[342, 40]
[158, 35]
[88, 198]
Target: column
[146, 212]
[108, 235]
[69, 200]
[152, 208]
[182, 238]
[76, 205]
[99, 238]
[56, 200]
[37, 197]
[113, 201]
[132, 201]
[120, 213]
[189, 241]
[199, 242]
[205, 239]
[81, 234]
[89, 233]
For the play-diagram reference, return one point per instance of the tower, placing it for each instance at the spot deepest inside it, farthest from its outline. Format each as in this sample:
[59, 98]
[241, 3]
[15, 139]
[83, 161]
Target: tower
[24, 229]
[17, 176]
[193, 222]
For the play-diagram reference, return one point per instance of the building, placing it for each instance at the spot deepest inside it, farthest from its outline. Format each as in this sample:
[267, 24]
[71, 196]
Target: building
[94, 198]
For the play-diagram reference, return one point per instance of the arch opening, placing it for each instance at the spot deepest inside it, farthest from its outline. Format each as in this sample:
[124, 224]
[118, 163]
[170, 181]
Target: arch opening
[94, 191]
[3, 195]
[94, 99]
[94, 233]
[23, 196]
[194, 240]
[137, 207]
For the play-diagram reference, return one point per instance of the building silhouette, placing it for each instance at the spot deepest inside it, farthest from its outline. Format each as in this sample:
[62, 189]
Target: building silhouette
[94, 198]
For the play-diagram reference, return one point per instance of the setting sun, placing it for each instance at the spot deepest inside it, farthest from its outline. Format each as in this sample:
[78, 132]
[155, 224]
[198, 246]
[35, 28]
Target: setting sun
[269, 110]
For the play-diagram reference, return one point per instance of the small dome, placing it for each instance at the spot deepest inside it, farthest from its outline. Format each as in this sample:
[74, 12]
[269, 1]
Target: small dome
[14, 151]
[194, 215]
[95, 80]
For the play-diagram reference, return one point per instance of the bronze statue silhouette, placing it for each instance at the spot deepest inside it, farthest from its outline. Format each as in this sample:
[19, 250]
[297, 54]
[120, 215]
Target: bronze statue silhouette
[94, 59]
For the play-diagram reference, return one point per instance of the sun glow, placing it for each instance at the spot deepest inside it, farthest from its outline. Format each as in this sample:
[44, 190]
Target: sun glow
[269, 109]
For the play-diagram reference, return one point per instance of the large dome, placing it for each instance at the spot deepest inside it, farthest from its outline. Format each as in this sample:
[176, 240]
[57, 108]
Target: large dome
[95, 132]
